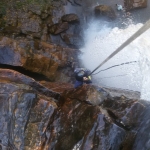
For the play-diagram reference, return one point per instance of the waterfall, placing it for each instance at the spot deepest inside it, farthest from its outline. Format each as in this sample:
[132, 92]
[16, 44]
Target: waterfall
[101, 40]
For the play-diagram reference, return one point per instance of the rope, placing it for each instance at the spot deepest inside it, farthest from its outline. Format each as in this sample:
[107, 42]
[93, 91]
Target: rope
[127, 42]
[114, 76]
[115, 66]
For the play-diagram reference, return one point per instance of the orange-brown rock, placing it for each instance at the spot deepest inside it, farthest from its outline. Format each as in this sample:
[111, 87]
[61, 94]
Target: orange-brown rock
[7, 75]
[39, 57]
[132, 4]
[58, 87]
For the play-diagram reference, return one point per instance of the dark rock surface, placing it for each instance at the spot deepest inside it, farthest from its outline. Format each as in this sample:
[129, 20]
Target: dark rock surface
[142, 138]
[48, 116]
[25, 110]
[104, 10]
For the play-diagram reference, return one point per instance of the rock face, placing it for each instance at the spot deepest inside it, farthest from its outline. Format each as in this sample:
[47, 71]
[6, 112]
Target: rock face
[25, 107]
[104, 10]
[132, 4]
[37, 56]
[44, 116]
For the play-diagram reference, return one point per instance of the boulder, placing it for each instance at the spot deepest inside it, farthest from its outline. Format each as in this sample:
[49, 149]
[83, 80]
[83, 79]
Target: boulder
[132, 4]
[71, 18]
[58, 28]
[104, 10]
[72, 40]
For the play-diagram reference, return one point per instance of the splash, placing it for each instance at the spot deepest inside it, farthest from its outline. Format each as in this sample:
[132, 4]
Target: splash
[101, 40]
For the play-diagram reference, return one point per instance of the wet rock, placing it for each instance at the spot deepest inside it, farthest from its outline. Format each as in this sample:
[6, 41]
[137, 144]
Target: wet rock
[104, 10]
[72, 40]
[24, 111]
[71, 18]
[111, 136]
[86, 125]
[142, 138]
[58, 28]
[83, 94]
[130, 118]
[132, 4]
[37, 56]
[78, 2]
[18, 78]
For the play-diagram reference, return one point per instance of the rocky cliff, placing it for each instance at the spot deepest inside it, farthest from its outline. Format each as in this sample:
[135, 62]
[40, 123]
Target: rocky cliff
[44, 115]
[40, 109]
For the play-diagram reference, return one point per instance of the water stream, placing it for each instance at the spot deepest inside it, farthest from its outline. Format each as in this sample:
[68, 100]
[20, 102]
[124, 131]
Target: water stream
[101, 40]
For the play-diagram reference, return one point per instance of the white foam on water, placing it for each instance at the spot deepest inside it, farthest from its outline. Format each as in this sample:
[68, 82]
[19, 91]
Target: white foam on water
[101, 40]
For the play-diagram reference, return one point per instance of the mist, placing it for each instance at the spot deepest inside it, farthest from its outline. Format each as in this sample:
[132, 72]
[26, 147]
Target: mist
[101, 40]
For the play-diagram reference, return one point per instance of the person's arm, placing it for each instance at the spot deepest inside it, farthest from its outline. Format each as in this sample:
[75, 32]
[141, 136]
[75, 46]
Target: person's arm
[87, 79]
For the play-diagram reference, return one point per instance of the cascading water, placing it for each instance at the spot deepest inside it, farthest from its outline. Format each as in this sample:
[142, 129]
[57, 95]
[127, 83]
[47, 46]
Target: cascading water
[101, 40]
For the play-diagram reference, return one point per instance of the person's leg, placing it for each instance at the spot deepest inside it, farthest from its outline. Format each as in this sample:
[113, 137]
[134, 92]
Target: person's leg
[78, 83]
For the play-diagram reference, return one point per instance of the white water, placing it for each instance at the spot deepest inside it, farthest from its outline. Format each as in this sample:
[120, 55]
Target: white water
[101, 40]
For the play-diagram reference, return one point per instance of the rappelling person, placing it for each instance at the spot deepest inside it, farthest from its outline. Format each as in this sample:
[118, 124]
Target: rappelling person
[82, 76]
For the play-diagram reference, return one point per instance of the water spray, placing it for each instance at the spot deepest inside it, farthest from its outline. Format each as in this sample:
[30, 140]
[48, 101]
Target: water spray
[127, 42]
